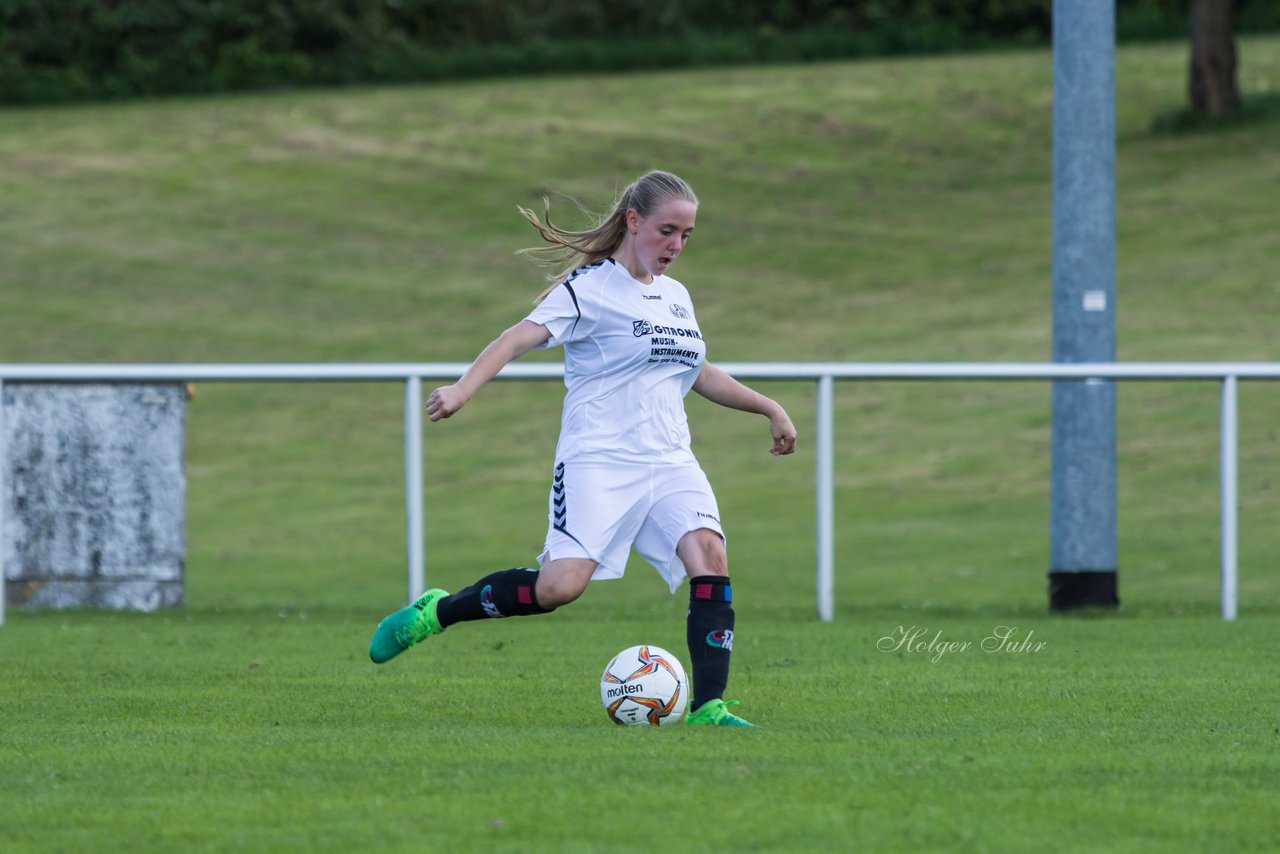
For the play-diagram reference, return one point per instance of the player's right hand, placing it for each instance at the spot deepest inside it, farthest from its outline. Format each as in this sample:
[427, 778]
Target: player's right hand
[444, 401]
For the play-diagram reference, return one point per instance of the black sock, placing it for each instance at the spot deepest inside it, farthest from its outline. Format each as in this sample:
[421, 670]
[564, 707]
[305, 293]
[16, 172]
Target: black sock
[710, 636]
[509, 593]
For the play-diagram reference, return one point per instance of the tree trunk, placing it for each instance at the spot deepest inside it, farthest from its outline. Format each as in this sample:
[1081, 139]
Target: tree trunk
[1212, 87]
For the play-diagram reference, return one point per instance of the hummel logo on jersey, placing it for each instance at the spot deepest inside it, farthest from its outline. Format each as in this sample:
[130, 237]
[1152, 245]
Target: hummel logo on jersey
[680, 311]
[641, 328]
[652, 296]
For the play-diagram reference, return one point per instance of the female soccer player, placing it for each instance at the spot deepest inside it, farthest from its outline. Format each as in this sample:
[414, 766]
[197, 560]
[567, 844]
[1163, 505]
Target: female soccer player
[625, 476]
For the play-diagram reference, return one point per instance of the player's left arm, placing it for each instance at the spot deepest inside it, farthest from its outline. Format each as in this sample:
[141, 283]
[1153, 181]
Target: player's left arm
[718, 387]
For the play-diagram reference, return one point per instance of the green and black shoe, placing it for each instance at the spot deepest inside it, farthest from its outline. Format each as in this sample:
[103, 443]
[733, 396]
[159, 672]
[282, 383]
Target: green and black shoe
[716, 713]
[401, 630]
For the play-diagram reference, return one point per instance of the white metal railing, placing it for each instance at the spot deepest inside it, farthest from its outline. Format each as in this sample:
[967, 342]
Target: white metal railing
[824, 373]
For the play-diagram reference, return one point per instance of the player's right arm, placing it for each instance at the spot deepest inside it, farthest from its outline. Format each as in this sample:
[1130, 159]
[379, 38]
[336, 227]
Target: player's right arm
[507, 347]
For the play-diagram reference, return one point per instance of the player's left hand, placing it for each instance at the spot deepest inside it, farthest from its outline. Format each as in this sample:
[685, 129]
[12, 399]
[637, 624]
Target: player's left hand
[784, 434]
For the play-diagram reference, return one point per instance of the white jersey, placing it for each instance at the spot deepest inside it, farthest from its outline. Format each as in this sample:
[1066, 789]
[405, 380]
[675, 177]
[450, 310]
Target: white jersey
[631, 353]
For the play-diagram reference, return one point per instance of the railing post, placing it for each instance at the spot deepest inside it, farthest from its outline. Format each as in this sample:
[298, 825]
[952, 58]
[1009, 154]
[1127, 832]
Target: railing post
[4, 467]
[1228, 496]
[826, 499]
[413, 484]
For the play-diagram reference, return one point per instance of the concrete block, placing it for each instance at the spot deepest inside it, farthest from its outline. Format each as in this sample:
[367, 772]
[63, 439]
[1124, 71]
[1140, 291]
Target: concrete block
[94, 495]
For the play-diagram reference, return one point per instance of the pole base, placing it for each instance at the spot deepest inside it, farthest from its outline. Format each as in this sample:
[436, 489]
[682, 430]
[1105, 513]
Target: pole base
[1070, 590]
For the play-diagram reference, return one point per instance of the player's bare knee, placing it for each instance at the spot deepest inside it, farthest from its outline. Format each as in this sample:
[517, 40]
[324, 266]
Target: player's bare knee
[703, 553]
[717, 562]
[561, 584]
[553, 594]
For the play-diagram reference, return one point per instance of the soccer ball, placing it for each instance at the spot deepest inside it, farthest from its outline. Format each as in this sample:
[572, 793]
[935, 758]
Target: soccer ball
[644, 685]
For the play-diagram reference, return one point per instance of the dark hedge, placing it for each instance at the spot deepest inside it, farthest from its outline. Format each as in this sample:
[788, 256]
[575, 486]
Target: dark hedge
[57, 50]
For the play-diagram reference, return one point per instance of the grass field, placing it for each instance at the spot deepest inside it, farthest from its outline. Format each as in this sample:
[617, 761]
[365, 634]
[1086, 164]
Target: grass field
[894, 210]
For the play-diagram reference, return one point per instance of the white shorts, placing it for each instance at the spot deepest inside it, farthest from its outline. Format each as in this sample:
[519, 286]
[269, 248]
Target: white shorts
[601, 510]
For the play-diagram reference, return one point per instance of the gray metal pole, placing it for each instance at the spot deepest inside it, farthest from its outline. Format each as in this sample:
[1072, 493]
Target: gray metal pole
[1083, 491]
[824, 442]
[4, 497]
[413, 485]
[1227, 473]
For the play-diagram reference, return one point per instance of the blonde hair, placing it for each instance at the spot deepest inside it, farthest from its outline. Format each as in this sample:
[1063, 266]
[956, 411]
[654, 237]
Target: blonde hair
[568, 250]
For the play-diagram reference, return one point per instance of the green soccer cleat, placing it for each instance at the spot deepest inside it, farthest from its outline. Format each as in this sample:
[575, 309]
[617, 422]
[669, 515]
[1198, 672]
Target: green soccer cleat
[716, 713]
[401, 630]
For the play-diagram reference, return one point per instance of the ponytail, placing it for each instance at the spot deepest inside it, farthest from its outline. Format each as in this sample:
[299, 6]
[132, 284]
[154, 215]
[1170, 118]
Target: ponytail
[568, 250]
